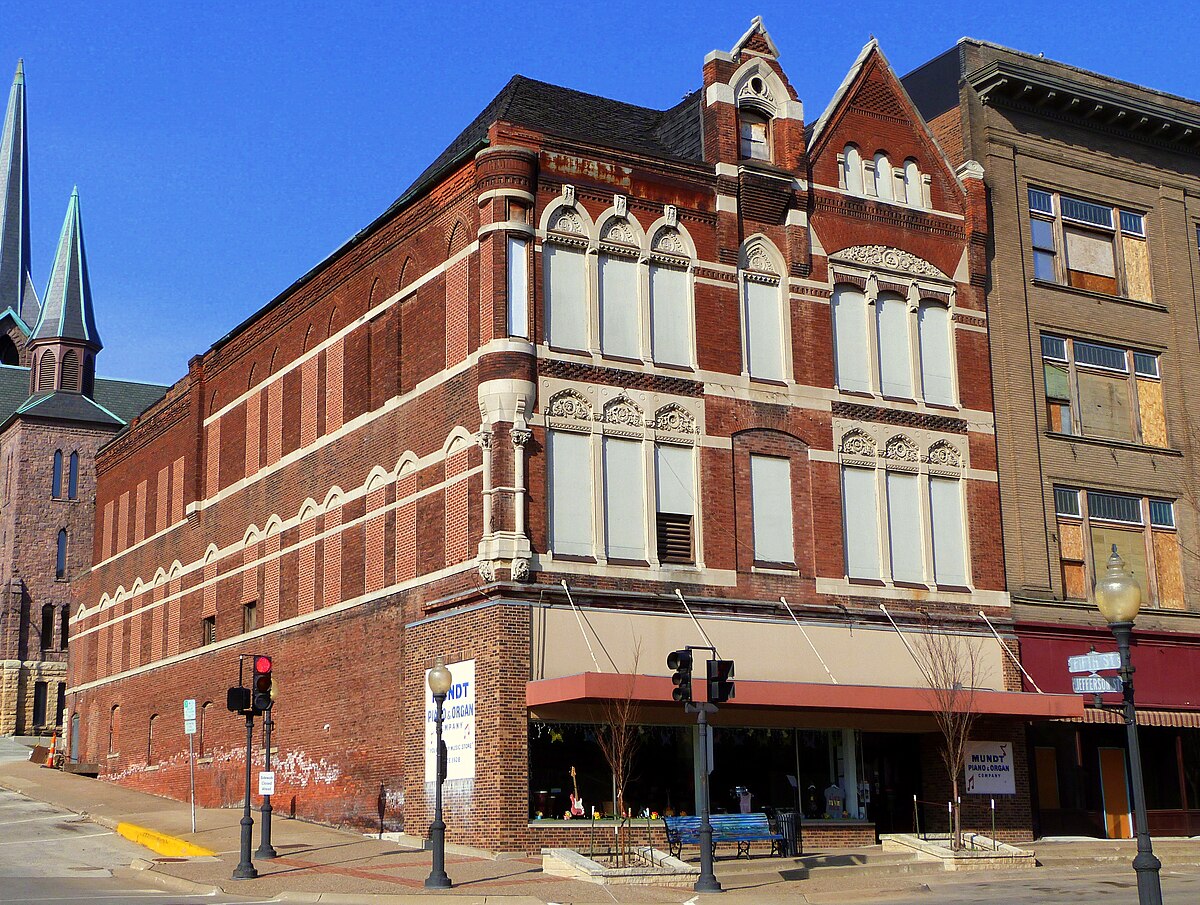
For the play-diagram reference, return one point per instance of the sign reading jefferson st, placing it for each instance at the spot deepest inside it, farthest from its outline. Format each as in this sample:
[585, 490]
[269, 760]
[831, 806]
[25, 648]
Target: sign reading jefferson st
[990, 769]
[1095, 684]
[1094, 662]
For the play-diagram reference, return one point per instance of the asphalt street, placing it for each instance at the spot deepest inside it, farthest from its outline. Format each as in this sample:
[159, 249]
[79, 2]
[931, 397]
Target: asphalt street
[48, 856]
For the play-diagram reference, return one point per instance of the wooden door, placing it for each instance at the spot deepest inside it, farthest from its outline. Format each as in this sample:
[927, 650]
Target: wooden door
[1115, 788]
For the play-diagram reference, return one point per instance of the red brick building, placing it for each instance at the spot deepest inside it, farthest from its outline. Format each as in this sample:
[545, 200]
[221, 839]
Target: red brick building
[606, 381]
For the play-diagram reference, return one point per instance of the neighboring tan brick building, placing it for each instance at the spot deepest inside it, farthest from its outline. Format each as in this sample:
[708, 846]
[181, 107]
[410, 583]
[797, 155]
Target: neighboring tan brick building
[1094, 191]
[600, 385]
[54, 415]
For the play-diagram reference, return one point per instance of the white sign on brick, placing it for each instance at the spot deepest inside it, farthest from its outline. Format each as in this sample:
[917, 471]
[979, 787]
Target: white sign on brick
[458, 724]
[990, 769]
[266, 782]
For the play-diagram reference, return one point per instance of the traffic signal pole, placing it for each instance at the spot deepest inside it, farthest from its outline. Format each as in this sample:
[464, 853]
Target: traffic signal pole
[245, 869]
[265, 849]
[707, 881]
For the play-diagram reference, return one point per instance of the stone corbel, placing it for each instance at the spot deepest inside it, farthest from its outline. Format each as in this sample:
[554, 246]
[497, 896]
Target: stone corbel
[568, 195]
[872, 289]
[621, 205]
[914, 296]
[671, 214]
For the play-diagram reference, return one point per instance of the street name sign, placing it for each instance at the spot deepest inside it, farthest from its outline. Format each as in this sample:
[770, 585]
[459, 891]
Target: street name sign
[1094, 684]
[1094, 662]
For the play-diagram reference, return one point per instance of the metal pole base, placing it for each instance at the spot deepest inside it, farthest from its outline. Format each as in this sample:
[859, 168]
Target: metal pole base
[245, 872]
[708, 884]
[438, 881]
[1148, 882]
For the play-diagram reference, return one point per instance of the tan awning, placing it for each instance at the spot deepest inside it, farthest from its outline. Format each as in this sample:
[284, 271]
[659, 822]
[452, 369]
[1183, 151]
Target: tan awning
[1175, 719]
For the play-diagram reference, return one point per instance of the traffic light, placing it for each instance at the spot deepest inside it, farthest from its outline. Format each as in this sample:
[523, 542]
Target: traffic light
[237, 700]
[681, 662]
[260, 689]
[720, 681]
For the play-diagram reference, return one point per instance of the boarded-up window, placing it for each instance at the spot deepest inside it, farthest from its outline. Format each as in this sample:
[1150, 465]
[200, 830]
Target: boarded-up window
[904, 526]
[566, 296]
[1074, 566]
[1090, 260]
[1131, 544]
[620, 328]
[518, 286]
[1105, 405]
[674, 475]
[670, 316]
[860, 518]
[771, 509]
[895, 360]
[764, 331]
[946, 512]
[624, 500]
[569, 466]
[850, 341]
[937, 359]
[1137, 268]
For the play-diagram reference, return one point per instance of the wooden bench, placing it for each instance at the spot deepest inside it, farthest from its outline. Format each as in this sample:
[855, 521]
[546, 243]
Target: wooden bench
[739, 828]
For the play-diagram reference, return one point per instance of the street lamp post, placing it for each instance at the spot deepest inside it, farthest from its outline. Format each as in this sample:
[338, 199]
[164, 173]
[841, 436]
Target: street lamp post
[439, 684]
[1119, 597]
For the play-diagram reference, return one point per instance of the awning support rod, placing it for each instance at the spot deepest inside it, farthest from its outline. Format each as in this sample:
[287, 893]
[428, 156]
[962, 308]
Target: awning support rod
[912, 653]
[699, 627]
[788, 607]
[579, 619]
[1008, 651]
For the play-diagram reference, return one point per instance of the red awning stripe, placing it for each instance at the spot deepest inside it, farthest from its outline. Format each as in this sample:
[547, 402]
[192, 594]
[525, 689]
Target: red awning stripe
[1170, 719]
[800, 695]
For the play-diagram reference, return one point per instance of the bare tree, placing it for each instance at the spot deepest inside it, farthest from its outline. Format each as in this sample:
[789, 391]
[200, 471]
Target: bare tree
[618, 737]
[953, 666]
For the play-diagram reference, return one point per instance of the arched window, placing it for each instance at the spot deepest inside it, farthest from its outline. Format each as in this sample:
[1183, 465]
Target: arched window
[895, 359]
[763, 324]
[56, 477]
[89, 375]
[114, 729]
[73, 477]
[8, 351]
[201, 729]
[70, 371]
[150, 739]
[937, 358]
[852, 175]
[913, 188]
[883, 177]
[47, 637]
[564, 258]
[851, 344]
[60, 561]
[670, 314]
[754, 135]
[47, 364]
[620, 305]
[64, 628]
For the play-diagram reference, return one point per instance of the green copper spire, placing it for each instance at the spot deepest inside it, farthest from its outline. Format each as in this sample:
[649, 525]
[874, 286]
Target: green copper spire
[16, 285]
[67, 304]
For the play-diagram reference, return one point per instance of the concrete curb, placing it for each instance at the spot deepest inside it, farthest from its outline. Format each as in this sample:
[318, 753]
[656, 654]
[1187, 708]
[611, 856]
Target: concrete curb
[162, 843]
[341, 898]
[145, 871]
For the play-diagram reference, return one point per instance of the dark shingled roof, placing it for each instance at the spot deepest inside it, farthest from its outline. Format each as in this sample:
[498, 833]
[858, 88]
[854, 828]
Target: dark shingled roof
[673, 134]
[117, 402]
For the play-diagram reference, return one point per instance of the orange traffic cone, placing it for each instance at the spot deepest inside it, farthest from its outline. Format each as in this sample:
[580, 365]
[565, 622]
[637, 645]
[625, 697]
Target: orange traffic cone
[53, 750]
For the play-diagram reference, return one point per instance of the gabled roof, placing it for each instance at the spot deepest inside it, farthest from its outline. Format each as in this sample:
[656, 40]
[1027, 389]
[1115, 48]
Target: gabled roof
[67, 307]
[16, 284]
[116, 403]
[756, 39]
[674, 133]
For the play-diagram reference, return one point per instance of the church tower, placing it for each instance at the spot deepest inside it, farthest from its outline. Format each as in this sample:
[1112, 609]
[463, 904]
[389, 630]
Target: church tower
[65, 341]
[18, 299]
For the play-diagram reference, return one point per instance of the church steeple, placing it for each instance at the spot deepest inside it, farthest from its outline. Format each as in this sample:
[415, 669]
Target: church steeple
[65, 340]
[16, 285]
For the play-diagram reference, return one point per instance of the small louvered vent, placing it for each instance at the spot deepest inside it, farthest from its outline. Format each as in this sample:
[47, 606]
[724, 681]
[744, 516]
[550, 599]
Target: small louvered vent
[47, 364]
[70, 371]
[674, 538]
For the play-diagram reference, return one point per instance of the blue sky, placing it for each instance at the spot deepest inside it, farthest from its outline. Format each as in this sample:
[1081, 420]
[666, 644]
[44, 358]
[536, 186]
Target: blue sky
[221, 150]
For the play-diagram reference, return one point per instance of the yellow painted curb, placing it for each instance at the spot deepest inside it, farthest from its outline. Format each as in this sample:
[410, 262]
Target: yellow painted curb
[161, 843]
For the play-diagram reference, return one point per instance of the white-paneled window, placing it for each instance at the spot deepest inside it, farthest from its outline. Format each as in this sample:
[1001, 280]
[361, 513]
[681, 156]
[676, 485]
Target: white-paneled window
[569, 471]
[854, 170]
[620, 330]
[771, 509]
[905, 532]
[884, 177]
[860, 516]
[946, 512]
[518, 287]
[937, 362]
[624, 499]
[850, 338]
[566, 296]
[675, 504]
[895, 349]
[670, 315]
[764, 329]
[913, 187]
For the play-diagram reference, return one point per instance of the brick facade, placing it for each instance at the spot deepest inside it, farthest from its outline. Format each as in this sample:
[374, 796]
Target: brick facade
[391, 505]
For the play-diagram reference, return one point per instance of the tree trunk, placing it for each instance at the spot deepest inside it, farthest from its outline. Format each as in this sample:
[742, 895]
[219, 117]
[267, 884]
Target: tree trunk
[956, 831]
